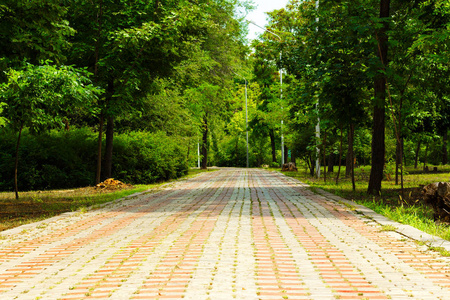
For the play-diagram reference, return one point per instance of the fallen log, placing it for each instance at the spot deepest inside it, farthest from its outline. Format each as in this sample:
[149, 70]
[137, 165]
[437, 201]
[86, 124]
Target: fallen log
[437, 195]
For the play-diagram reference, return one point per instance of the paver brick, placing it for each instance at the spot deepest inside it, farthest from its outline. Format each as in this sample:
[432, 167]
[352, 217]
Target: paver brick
[231, 234]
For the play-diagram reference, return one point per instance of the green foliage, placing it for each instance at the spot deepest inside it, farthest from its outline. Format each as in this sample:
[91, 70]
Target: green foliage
[39, 97]
[31, 31]
[48, 161]
[142, 157]
[2, 119]
[232, 152]
[66, 159]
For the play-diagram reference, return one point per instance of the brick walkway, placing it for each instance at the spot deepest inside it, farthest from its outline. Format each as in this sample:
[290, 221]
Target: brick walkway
[231, 234]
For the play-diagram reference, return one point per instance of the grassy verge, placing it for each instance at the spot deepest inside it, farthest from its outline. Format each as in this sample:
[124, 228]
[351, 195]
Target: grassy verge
[38, 205]
[406, 209]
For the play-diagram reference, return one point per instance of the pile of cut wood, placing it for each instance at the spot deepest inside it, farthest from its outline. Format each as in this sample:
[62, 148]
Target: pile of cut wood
[438, 196]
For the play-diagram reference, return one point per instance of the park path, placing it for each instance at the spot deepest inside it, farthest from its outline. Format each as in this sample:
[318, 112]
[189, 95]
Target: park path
[229, 234]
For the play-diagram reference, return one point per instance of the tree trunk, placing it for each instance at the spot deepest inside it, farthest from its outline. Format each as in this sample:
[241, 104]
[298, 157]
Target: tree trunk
[349, 157]
[16, 165]
[398, 161]
[425, 159]
[378, 134]
[324, 156]
[444, 148]
[312, 165]
[204, 163]
[403, 153]
[286, 152]
[272, 144]
[352, 132]
[109, 147]
[331, 159]
[416, 158]
[99, 150]
[378, 150]
[100, 130]
[340, 157]
[401, 166]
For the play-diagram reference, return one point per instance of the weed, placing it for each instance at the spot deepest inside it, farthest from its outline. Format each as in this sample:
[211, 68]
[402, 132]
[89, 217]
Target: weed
[37, 199]
[441, 250]
[388, 228]
[41, 226]
[351, 207]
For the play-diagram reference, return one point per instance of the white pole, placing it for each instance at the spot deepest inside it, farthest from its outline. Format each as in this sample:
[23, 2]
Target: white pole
[281, 98]
[198, 154]
[318, 118]
[246, 117]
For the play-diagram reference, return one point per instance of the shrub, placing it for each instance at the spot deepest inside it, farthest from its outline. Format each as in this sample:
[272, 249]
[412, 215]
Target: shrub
[58, 160]
[142, 157]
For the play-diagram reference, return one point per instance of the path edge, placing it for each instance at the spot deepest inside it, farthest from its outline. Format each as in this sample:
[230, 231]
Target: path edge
[408, 231]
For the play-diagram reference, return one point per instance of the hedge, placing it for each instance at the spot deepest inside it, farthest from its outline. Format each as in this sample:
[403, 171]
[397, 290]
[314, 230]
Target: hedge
[67, 159]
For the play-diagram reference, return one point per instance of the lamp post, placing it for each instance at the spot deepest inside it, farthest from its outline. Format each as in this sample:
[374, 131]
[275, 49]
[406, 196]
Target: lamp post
[281, 90]
[246, 112]
[198, 153]
[318, 118]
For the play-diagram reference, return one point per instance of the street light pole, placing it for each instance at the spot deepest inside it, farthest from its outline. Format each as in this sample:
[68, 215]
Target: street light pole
[281, 98]
[246, 112]
[281, 90]
[198, 153]
[246, 116]
[318, 118]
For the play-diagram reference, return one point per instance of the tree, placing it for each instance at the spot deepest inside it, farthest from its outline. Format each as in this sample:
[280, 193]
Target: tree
[206, 102]
[206, 74]
[38, 97]
[32, 31]
[267, 76]
[330, 59]
[378, 132]
[130, 44]
[127, 45]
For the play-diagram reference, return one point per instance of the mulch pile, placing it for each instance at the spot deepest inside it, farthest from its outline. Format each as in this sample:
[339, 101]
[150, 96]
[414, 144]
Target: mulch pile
[111, 184]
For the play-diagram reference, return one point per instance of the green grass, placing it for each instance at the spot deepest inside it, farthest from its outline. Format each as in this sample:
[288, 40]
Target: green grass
[34, 206]
[406, 209]
[388, 228]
